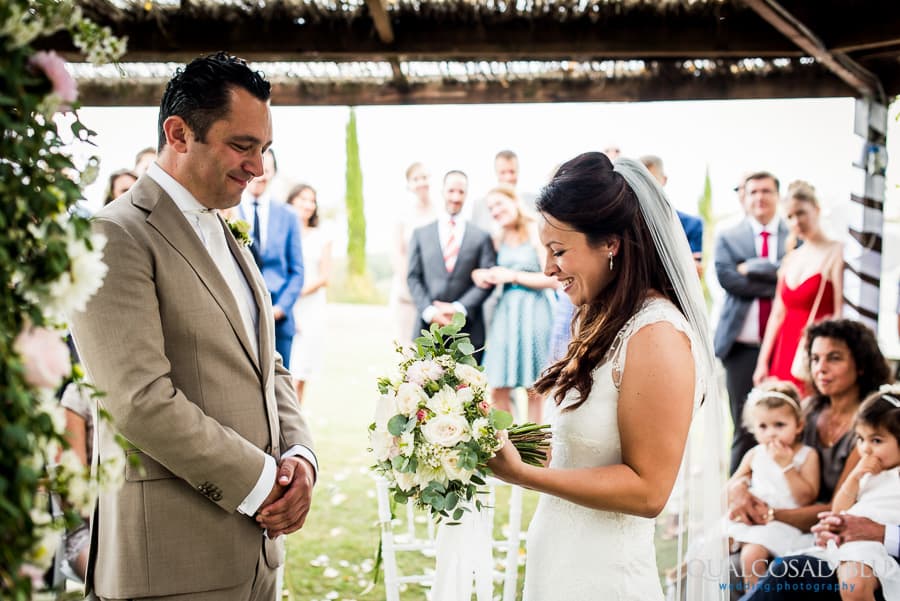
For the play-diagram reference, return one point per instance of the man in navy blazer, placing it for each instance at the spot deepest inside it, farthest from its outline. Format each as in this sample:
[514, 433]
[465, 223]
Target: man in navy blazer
[275, 231]
[442, 257]
[747, 257]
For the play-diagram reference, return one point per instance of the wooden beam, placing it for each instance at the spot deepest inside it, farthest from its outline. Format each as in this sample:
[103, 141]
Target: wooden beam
[178, 36]
[864, 82]
[669, 84]
[378, 12]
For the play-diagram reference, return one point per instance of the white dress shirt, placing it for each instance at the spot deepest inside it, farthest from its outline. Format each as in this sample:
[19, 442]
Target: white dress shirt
[190, 208]
[750, 333]
[246, 207]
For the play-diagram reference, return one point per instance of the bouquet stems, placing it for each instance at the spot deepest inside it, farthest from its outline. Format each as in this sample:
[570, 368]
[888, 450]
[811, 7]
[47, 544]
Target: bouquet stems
[532, 441]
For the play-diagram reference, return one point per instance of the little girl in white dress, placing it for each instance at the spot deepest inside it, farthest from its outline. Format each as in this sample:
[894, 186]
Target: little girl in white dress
[872, 490]
[783, 472]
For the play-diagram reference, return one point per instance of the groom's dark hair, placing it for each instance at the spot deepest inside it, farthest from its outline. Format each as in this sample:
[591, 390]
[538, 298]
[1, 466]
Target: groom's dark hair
[200, 92]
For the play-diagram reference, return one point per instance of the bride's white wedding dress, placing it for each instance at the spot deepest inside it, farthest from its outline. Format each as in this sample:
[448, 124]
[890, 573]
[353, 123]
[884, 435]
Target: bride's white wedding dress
[581, 554]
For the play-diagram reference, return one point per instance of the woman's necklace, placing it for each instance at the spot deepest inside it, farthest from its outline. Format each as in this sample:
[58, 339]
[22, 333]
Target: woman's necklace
[834, 426]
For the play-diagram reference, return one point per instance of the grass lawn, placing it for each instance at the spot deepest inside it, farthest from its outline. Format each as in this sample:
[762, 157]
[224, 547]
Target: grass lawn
[332, 557]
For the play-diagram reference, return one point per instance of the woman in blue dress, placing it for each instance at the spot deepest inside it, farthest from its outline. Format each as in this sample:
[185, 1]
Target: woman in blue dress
[518, 340]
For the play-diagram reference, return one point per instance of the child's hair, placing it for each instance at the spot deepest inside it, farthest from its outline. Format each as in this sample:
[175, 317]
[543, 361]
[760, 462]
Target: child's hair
[882, 410]
[772, 395]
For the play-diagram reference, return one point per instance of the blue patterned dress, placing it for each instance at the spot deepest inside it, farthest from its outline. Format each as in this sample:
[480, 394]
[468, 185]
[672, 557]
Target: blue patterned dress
[518, 341]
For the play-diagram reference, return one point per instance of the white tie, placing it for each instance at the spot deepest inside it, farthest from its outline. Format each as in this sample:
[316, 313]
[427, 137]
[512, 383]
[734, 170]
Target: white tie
[214, 239]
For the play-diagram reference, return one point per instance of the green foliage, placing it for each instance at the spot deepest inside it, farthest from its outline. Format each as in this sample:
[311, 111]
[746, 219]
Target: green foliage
[704, 209]
[39, 185]
[356, 217]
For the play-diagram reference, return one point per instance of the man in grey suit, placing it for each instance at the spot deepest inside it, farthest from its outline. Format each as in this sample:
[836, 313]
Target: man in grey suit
[442, 257]
[181, 339]
[747, 257]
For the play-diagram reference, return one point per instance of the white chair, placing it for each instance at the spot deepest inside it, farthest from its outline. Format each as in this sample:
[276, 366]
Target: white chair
[391, 546]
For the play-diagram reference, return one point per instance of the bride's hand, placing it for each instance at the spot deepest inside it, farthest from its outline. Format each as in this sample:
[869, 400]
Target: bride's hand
[507, 464]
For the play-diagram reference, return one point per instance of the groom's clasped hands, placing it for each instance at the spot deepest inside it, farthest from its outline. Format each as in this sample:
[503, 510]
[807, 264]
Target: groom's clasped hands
[285, 509]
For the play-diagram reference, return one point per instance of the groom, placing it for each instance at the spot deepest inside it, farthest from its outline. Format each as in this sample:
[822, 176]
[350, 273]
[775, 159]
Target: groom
[180, 338]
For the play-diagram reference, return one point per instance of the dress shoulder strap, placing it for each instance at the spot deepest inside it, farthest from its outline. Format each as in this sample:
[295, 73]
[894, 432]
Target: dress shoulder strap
[653, 310]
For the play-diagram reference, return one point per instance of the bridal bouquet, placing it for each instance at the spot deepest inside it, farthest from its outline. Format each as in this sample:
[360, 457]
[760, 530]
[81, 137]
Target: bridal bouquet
[434, 430]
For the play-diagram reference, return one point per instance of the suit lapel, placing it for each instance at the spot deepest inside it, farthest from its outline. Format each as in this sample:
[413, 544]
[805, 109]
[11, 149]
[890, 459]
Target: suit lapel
[168, 220]
[265, 334]
[782, 238]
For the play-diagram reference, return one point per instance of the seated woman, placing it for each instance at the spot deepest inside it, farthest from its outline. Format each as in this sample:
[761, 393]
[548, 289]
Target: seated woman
[846, 366]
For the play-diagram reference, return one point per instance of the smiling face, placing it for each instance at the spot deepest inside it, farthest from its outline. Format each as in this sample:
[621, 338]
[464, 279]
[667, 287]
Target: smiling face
[802, 217]
[582, 269]
[833, 368]
[779, 423]
[304, 203]
[507, 171]
[455, 186]
[418, 183]
[504, 210]
[879, 443]
[217, 170]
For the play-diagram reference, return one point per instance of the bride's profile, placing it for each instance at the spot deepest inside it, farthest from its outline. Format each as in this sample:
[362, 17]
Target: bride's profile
[622, 400]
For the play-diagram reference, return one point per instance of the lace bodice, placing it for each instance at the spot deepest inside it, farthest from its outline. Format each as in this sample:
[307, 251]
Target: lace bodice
[575, 551]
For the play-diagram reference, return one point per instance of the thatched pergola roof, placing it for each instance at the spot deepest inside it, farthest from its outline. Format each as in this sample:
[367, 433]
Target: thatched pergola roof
[431, 51]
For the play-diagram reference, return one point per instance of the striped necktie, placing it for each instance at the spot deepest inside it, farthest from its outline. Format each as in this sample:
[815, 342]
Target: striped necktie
[451, 248]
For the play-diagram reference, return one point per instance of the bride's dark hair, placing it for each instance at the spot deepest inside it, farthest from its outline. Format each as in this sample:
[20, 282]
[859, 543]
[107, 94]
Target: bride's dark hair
[588, 196]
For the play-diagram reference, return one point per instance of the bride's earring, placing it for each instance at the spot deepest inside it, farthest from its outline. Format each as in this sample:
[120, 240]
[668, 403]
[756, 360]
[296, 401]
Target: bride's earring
[611, 267]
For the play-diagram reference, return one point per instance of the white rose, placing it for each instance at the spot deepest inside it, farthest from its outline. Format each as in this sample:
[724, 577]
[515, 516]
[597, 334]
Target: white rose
[432, 370]
[471, 376]
[465, 395]
[446, 430]
[481, 427]
[450, 463]
[415, 373]
[445, 402]
[409, 397]
[385, 409]
[383, 444]
[405, 480]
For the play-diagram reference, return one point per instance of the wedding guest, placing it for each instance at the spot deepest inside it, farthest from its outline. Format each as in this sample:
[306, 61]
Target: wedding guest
[693, 226]
[442, 257]
[506, 170]
[809, 288]
[622, 399]
[783, 472]
[414, 214]
[747, 256]
[180, 337]
[80, 436]
[308, 349]
[119, 183]
[278, 250]
[143, 160]
[518, 338]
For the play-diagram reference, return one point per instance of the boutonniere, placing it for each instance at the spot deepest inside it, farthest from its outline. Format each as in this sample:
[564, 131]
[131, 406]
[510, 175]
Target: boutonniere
[241, 231]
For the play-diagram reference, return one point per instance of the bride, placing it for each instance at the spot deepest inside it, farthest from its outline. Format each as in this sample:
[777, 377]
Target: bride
[622, 400]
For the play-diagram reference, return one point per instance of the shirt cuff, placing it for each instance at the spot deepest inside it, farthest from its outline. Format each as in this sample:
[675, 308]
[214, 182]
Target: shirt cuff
[428, 313]
[460, 308]
[263, 487]
[892, 539]
[304, 453]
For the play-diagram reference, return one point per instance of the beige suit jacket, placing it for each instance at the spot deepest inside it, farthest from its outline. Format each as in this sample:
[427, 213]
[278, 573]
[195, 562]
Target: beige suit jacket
[164, 339]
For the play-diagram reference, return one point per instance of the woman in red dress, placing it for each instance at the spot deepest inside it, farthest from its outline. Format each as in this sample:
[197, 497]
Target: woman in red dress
[810, 272]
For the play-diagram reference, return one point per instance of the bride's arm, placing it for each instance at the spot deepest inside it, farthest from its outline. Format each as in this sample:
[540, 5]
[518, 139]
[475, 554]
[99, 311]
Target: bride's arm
[654, 415]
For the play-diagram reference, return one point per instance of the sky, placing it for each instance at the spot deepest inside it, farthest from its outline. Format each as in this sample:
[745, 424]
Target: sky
[810, 139]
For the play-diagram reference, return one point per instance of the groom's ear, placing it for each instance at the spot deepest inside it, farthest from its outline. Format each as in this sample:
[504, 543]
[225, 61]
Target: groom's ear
[177, 133]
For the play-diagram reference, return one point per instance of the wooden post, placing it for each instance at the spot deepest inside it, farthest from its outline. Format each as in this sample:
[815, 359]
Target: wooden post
[862, 252]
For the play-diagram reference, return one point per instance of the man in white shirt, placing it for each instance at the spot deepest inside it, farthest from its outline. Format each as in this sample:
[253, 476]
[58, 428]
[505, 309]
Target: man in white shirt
[180, 339]
[442, 257]
[747, 256]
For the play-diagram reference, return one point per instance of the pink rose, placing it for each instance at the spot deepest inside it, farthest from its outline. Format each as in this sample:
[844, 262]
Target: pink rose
[421, 415]
[54, 67]
[484, 407]
[45, 355]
